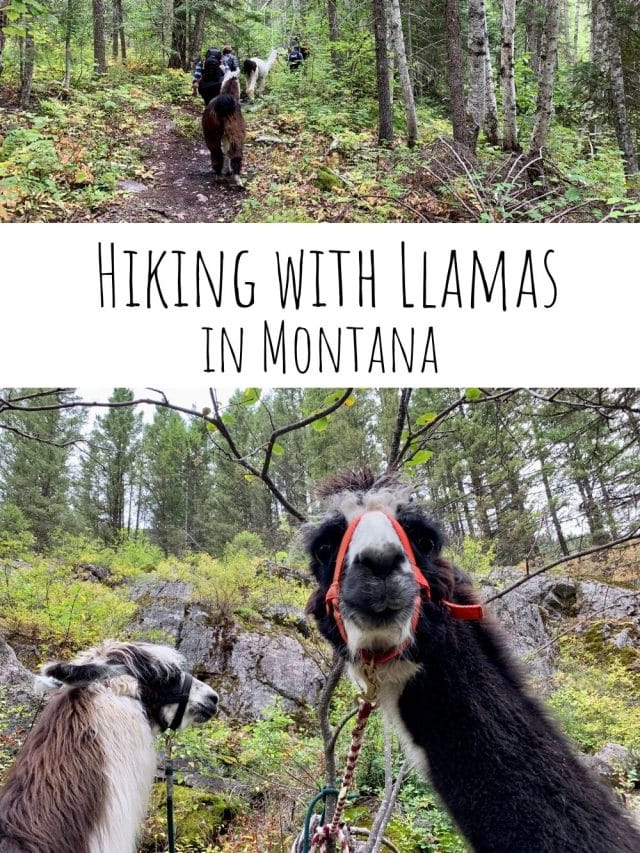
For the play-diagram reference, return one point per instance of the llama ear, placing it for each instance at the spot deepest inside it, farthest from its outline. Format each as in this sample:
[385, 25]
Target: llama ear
[71, 673]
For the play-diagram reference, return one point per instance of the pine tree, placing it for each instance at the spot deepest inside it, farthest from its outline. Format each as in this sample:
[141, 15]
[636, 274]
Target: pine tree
[108, 467]
[35, 472]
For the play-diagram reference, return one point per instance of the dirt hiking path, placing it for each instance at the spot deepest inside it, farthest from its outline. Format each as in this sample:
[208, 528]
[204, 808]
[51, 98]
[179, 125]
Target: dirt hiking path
[180, 186]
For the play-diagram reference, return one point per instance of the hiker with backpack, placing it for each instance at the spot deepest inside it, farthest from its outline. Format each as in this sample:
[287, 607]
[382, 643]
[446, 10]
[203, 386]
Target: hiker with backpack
[212, 56]
[209, 75]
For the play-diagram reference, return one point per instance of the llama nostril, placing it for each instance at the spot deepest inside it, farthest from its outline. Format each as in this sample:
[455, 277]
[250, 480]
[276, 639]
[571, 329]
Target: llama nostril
[381, 564]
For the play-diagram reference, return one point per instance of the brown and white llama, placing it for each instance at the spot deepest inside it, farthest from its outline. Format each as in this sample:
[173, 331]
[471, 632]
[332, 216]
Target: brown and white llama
[224, 130]
[82, 781]
[256, 71]
[508, 777]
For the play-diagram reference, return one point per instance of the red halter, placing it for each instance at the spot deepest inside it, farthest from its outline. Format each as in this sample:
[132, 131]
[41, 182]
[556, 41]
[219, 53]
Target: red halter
[332, 598]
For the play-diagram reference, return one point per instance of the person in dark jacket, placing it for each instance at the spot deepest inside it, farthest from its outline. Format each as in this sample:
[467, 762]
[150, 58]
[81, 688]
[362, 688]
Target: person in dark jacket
[229, 59]
[212, 53]
[295, 57]
[213, 71]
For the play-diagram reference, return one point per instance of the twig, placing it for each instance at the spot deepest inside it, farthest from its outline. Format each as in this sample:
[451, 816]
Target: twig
[596, 549]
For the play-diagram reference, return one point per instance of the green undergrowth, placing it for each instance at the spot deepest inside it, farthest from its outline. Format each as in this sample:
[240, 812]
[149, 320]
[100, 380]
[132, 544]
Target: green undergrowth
[597, 690]
[57, 604]
[48, 606]
[65, 156]
[327, 166]
[312, 156]
[200, 819]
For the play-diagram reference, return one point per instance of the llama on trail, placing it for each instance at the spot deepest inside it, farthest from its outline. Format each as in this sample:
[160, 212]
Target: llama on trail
[508, 777]
[82, 781]
[224, 129]
[256, 71]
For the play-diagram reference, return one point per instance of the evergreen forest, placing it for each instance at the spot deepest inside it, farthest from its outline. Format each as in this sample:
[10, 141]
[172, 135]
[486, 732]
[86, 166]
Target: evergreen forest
[412, 111]
[139, 514]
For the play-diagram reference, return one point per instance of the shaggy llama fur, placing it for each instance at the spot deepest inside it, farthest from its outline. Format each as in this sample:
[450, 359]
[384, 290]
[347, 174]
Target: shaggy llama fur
[224, 129]
[256, 71]
[506, 774]
[82, 781]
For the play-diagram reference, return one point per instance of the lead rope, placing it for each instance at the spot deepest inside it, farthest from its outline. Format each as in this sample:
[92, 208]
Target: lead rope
[168, 775]
[366, 704]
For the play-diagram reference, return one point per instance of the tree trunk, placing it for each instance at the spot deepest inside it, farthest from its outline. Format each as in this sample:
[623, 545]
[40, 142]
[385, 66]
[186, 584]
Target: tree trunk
[385, 118]
[3, 24]
[555, 518]
[490, 124]
[409, 40]
[607, 505]
[477, 45]
[466, 509]
[613, 64]
[334, 30]
[117, 36]
[99, 50]
[68, 26]
[576, 30]
[29, 64]
[544, 104]
[566, 32]
[548, 491]
[391, 57]
[114, 31]
[482, 515]
[403, 72]
[508, 79]
[123, 40]
[455, 72]
[178, 56]
[197, 36]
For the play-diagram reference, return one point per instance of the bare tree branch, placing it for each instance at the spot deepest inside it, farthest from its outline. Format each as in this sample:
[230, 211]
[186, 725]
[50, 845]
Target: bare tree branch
[401, 417]
[40, 439]
[316, 416]
[596, 549]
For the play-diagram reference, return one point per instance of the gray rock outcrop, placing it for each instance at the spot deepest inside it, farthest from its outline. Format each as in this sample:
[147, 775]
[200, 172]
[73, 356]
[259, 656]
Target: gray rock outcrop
[251, 669]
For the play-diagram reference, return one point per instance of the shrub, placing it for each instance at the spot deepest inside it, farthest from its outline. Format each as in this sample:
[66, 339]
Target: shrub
[596, 703]
[16, 540]
[476, 557]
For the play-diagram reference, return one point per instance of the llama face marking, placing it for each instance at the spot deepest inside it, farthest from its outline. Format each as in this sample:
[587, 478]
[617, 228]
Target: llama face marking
[378, 588]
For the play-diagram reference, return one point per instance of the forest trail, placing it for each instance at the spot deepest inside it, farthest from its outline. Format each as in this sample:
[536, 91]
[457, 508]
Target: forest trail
[180, 186]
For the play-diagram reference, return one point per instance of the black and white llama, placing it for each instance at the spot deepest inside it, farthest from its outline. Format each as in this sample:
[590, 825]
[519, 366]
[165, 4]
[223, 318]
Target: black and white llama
[508, 777]
[82, 781]
[256, 71]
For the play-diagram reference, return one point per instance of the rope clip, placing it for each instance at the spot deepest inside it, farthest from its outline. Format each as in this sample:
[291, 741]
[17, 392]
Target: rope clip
[370, 677]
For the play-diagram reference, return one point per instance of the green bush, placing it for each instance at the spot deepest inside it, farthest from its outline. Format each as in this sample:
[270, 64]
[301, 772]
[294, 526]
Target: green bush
[46, 603]
[596, 699]
[16, 540]
[475, 557]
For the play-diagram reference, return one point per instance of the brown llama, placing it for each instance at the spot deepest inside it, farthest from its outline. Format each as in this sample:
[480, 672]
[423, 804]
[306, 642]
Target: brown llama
[223, 126]
[387, 598]
[82, 781]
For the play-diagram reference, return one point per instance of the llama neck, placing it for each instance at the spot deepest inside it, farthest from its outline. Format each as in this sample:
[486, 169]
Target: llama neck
[127, 743]
[271, 59]
[507, 776]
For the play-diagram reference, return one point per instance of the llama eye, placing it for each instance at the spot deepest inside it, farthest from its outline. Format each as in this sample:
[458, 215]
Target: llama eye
[323, 552]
